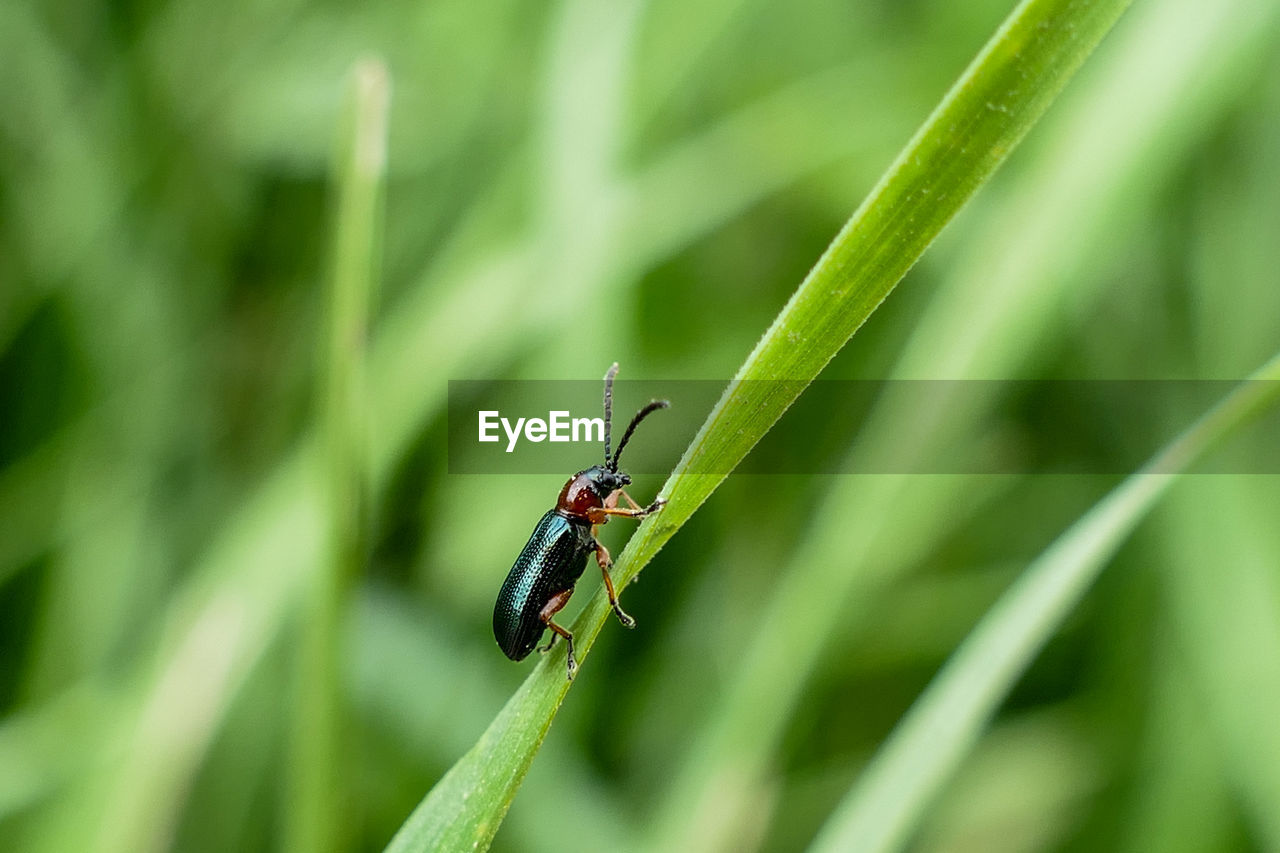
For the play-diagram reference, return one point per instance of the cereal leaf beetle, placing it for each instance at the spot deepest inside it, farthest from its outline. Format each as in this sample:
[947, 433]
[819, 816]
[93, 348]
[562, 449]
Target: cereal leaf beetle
[543, 577]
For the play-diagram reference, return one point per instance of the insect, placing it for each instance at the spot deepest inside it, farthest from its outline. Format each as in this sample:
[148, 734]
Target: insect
[542, 579]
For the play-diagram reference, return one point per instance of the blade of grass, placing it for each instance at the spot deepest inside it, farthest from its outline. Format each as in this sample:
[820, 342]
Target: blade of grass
[886, 803]
[1023, 789]
[400, 655]
[986, 113]
[1165, 77]
[313, 820]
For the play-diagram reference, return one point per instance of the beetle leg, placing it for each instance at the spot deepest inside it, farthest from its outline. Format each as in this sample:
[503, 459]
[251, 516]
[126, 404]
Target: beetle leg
[630, 500]
[558, 601]
[571, 662]
[658, 503]
[605, 561]
[599, 518]
[600, 514]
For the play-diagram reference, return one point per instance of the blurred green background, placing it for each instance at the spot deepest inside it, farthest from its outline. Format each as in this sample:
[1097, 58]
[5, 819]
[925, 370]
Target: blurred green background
[567, 185]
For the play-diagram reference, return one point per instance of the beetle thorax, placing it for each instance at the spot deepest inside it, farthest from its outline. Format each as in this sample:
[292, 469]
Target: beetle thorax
[589, 490]
[578, 496]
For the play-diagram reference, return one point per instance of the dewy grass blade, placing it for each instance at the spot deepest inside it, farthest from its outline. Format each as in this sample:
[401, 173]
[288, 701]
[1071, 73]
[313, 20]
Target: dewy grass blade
[989, 109]
[929, 742]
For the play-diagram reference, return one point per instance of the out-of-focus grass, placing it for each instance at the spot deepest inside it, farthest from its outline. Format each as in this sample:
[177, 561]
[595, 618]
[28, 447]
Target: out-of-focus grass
[313, 817]
[984, 116]
[164, 175]
[941, 727]
[1225, 622]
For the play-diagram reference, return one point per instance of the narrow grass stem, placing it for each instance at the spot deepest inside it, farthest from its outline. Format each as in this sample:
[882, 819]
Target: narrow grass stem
[314, 813]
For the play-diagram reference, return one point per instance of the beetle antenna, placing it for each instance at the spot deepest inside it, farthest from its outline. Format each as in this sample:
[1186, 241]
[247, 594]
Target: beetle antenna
[608, 408]
[631, 427]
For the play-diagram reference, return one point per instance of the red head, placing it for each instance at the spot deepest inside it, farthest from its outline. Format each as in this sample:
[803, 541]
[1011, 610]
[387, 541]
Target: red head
[589, 489]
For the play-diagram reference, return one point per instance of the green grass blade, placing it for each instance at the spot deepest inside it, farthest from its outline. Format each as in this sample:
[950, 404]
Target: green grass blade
[313, 820]
[993, 316]
[929, 742]
[986, 113]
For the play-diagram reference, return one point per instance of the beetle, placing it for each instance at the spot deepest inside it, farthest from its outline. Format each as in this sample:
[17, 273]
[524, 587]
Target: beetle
[554, 558]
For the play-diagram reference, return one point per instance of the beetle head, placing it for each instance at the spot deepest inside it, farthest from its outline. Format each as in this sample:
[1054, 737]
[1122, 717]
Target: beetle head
[605, 481]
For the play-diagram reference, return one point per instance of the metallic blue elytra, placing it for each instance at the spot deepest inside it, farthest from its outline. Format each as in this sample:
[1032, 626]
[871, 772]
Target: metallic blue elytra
[552, 561]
